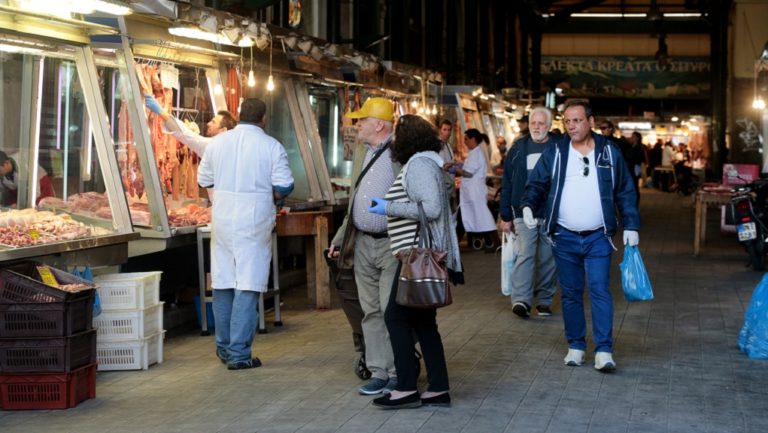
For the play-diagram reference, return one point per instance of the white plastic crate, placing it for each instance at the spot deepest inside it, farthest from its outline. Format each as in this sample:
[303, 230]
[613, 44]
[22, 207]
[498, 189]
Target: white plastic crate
[121, 325]
[130, 355]
[129, 290]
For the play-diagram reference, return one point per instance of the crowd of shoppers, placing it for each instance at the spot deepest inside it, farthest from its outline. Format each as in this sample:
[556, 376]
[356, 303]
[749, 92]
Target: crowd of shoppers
[562, 198]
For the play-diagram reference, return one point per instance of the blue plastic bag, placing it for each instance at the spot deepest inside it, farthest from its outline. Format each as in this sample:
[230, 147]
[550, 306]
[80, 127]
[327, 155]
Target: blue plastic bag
[753, 337]
[87, 274]
[634, 278]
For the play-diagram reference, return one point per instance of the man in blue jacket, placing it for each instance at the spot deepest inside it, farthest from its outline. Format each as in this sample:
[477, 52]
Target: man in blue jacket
[534, 272]
[581, 183]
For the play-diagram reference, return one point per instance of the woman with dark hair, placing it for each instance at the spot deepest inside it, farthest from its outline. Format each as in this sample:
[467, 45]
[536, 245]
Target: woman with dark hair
[421, 180]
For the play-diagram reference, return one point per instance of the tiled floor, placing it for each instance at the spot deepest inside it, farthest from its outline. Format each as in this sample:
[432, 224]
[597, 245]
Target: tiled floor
[679, 369]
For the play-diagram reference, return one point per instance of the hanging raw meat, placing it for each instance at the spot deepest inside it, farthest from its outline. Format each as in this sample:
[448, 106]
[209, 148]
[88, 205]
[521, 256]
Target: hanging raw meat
[233, 89]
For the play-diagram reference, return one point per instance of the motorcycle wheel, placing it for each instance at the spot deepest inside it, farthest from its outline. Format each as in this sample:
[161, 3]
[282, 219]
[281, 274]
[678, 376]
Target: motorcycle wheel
[756, 251]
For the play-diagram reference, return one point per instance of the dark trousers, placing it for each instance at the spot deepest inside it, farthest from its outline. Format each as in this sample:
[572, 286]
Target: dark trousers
[402, 323]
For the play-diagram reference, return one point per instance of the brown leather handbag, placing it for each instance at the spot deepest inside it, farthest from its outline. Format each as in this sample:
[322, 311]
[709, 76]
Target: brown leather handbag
[423, 280]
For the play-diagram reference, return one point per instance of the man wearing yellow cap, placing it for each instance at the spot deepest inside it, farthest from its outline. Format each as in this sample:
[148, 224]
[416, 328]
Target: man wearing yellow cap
[362, 240]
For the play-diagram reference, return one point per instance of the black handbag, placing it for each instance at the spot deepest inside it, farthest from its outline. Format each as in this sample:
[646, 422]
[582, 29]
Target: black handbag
[423, 280]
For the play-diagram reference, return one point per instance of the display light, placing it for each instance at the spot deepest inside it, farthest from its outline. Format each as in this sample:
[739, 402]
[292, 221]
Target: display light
[16, 49]
[192, 31]
[758, 103]
[270, 80]
[245, 41]
[65, 8]
[251, 77]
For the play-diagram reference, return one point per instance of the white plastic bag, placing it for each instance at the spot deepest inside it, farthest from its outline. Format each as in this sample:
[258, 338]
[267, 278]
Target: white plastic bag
[508, 257]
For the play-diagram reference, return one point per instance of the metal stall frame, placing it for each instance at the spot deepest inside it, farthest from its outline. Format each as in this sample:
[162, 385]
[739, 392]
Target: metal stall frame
[309, 140]
[98, 250]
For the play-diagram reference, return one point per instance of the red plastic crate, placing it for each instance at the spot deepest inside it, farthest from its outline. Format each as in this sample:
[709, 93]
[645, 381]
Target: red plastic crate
[54, 319]
[21, 283]
[47, 390]
[48, 354]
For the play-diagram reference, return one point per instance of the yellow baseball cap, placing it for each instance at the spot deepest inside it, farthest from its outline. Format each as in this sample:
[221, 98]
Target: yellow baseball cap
[380, 108]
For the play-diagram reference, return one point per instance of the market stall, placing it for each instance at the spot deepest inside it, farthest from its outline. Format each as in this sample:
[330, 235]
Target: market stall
[55, 148]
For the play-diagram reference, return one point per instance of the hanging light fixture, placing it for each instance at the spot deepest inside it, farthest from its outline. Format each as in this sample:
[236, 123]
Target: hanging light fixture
[270, 80]
[251, 77]
[758, 103]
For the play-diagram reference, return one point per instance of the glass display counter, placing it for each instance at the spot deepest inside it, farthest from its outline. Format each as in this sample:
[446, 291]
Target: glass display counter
[58, 188]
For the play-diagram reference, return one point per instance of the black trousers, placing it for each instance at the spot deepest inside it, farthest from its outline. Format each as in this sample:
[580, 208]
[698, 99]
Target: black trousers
[402, 323]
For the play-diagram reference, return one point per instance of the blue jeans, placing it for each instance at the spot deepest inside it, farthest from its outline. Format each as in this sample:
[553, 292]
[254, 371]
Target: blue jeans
[534, 273]
[576, 256]
[235, 314]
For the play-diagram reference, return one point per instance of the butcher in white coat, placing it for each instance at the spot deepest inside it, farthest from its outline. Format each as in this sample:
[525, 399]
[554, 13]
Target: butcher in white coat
[475, 215]
[248, 171]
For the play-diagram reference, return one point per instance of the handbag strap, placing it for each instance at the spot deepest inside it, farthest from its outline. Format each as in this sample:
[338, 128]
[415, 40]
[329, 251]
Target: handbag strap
[425, 234]
[370, 163]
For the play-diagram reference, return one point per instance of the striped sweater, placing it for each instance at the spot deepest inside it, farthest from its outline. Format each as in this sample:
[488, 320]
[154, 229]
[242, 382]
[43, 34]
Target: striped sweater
[402, 231]
[423, 181]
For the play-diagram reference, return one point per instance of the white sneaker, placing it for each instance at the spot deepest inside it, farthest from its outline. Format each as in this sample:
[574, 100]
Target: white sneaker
[574, 358]
[604, 362]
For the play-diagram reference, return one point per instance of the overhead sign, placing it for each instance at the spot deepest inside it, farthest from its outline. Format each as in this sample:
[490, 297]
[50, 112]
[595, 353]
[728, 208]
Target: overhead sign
[627, 77]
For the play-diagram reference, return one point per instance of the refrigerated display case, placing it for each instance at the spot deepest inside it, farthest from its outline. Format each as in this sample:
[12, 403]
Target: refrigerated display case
[60, 191]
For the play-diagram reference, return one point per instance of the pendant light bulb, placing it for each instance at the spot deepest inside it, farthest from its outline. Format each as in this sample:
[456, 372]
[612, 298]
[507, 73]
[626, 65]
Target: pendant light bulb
[251, 79]
[270, 84]
[217, 89]
[758, 104]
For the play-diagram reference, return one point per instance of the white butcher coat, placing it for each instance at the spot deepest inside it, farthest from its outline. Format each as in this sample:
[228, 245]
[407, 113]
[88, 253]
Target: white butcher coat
[194, 141]
[242, 165]
[475, 215]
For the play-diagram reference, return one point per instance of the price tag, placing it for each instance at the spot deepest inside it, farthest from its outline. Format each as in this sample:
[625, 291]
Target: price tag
[169, 76]
[34, 234]
[349, 136]
[47, 276]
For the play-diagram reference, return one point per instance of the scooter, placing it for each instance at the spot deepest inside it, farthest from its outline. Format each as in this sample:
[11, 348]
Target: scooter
[749, 211]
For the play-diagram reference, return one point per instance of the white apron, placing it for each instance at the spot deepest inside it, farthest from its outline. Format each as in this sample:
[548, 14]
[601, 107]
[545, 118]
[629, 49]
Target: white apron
[243, 165]
[242, 227]
[475, 215]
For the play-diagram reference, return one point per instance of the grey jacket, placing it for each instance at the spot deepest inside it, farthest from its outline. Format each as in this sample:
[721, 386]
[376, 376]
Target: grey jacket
[424, 182]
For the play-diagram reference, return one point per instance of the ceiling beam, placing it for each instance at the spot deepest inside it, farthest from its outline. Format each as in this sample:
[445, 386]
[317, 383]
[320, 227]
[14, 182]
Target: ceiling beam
[566, 12]
[597, 25]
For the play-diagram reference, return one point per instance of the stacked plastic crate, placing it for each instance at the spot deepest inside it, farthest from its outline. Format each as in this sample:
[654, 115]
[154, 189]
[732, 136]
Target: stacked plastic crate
[130, 326]
[47, 342]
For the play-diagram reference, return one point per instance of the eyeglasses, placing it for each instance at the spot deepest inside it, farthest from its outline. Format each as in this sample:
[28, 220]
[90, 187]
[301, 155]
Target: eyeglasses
[585, 170]
[603, 128]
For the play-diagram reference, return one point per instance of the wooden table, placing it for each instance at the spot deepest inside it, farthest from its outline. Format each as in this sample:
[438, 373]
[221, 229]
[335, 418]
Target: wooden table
[704, 199]
[314, 224]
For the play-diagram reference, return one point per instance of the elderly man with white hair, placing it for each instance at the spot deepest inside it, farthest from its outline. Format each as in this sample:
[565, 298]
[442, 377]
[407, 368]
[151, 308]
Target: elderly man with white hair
[534, 272]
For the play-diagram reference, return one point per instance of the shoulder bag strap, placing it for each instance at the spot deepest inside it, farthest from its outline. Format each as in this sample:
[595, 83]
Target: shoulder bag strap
[370, 163]
[425, 234]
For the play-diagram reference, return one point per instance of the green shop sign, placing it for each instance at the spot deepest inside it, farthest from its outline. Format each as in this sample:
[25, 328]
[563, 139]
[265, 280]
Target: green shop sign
[627, 77]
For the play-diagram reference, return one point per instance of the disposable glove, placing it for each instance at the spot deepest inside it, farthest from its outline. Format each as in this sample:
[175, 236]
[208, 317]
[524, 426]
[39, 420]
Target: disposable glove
[631, 238]
[378, 206]
[152, 104]
[528, 218]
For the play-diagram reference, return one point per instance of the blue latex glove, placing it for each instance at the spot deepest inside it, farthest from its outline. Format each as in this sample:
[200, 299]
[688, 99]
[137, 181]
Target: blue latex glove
[152, 104]
[378, 206]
